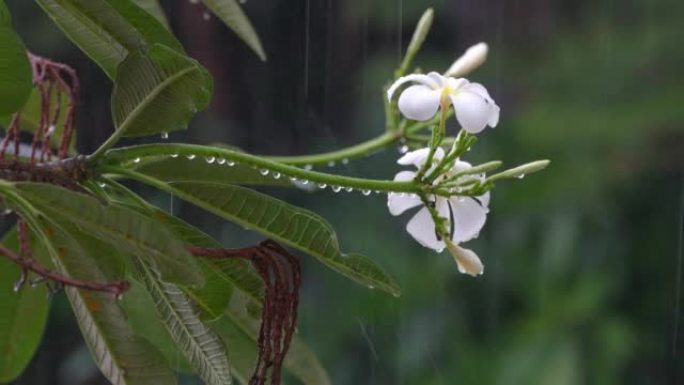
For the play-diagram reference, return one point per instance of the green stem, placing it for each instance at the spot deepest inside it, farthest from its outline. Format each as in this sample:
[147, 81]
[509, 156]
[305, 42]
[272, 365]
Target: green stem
[435, 142]
[123, 156]
[355, 151]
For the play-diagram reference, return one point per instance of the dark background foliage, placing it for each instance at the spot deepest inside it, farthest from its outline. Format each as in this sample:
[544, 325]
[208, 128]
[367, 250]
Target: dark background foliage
[583, 261]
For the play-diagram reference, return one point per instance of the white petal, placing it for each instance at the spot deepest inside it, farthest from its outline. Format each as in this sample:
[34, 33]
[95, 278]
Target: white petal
[470, 60]
[469, 218]
[467, 261]
[473, 111]
[422, 228]
[419, 102]
[426, 80]
[460, 165]
[398, 203]
[482, 91]
[418, 157]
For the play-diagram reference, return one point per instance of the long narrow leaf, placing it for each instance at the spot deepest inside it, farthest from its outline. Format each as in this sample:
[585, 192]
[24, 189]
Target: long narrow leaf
[15, 71]
[108, 30]
[230, 12]
[203, 349]
[23, 316]
[121, 355]
[119, 226]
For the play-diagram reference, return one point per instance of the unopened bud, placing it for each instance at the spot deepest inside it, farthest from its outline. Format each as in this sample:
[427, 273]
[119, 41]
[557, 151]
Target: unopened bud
[520, 171]
[467, 261]
[469, 61]
[417, 40]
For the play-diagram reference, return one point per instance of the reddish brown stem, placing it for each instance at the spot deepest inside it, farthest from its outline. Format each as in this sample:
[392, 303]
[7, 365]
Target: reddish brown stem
[281, 274]
[31, 264]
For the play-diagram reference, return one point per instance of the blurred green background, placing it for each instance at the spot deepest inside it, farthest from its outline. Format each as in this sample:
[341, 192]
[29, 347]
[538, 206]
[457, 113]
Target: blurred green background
[583, 261]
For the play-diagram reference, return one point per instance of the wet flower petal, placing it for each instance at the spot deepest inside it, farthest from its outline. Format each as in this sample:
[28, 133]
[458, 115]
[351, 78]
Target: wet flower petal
[419, 102]
[469, 218]
[422, 227]
[474, 112]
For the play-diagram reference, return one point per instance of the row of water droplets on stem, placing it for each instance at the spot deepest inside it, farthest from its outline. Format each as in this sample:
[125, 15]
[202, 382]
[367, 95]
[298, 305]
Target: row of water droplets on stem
[301, 183]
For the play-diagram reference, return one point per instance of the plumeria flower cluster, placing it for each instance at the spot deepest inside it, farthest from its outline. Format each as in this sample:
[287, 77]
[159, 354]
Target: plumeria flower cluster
[464, 216]
[445, 221]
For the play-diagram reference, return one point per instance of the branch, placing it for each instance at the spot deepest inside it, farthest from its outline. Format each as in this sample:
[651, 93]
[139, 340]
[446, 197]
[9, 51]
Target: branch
[31, 264]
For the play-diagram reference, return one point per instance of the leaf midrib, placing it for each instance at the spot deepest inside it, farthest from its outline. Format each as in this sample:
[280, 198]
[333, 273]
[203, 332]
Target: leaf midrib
[149, 98]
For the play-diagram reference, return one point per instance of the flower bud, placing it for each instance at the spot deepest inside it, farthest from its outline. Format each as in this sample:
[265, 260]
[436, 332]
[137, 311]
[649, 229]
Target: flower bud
[466, 259]
[469, 61]
[520, 171]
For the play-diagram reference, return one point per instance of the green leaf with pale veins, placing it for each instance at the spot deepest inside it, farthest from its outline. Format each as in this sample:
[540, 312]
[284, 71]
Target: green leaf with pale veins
[15, 71]
[23, 315]
[157, 91]
[108, 30]
[297, 227]
[221, 276]
[120, 226]
[122, 356]
[230, 12]
[202, 348]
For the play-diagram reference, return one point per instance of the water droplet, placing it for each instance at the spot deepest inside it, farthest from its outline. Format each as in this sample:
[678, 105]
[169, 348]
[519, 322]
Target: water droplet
[366, 192]
[18, 285]
[230, 163]
[210, 159]
[164, 135]
[206, 16]
[293, 179]
[403, 149]
[336, 188]
[520, 176]
[308, 167]
[51, 130]
[378, 191]
[348, 189]
[322, 185]
[102, 184]
[371, 287]
[345, 161]
[221, 161]
[119, 297]
[304, 182]
[264, 172]
[136, 160]
[396, 295]
[174, 155]
[276, 175]
[331, 163]
[190, 156]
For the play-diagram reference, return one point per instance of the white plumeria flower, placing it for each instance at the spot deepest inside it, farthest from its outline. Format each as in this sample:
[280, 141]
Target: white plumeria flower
[465, 215]
[473, 106]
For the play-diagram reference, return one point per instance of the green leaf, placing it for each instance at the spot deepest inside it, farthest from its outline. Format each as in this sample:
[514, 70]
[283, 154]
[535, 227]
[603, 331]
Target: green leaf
[137, 303]
[108, 30]
[119, 226]
[158, 91]
[15, 71]
[297, 227]
[122, 356]
[181, 169]
[202, 348]
[230, 12]
[220, 276]
[23, 315]
[240, 331]
[155, 9]
[5, 16]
